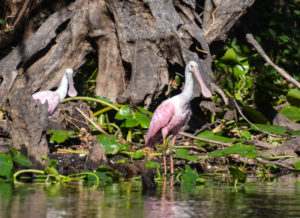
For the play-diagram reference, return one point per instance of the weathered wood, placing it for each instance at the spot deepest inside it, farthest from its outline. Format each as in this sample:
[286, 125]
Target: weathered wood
[227, 14]
[27, 125]
[137, 43]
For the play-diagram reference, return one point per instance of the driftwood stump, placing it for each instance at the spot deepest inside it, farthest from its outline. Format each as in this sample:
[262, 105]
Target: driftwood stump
[138, 43]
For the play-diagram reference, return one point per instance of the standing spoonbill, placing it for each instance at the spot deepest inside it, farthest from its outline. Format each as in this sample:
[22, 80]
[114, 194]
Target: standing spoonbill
[173, 113]
[55, 97]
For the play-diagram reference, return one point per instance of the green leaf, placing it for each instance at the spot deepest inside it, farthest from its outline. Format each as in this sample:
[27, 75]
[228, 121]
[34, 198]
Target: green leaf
[2, 21]
[53, 163]
[19, 158]
[124, 147]
[143, 120]
[151, 164]
[177, 79]
[114, 175]
[237, 173]
[6, 166]
[297, 165]
[296, 132]
[145, 111]
[255, 115]
[123, 113]
[293, 97]
[217, 153]
[278, 130]
[181, 153]
[189, 178]
[104, 99]
[230, 57]
[137, 154]
[291, 112]
[130, 122]
[59, 136]
[240, 149]
[246, 134]
[109, 143]
[210, 135]
[51, 171]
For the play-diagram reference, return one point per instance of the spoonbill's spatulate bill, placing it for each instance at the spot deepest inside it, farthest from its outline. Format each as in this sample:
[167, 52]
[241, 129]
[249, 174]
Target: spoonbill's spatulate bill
[55, 97]
[172, 114]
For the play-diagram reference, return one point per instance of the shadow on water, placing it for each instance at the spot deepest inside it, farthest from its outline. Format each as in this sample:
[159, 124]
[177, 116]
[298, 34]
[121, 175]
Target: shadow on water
[281, 199]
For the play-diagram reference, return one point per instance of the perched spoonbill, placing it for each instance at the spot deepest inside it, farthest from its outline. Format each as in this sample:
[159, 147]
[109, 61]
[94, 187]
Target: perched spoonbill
[55, 97]
[173, 113]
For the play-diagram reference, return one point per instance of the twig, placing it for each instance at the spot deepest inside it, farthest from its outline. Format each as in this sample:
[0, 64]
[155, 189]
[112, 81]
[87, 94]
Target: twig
[225, 144]
[95, 124]
[70, 151]
[213, 20]
[260, 50]
[260, 144]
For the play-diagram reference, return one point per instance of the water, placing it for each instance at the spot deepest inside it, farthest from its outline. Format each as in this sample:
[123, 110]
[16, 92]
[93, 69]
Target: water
[281, 199]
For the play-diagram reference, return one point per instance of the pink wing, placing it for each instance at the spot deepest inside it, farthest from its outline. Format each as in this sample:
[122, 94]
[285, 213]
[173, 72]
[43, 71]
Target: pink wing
[160, 119]
[51, 97]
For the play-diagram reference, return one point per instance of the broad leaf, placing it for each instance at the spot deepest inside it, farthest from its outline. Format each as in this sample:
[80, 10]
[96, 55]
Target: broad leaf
[152, 164]
[189, 178]
[138, 154]
[278, 130]
[183, 154]
[143, 120]
[291, 112]
[19, 158]
[109, 143]
[130, 122]
[104, 99]
[237, 173]
[240, 149]
[123, 113]
[293, 97]
[51, 171]
[210, 135]
[59, 136]
[6, 166]
[297, 165]
[230, 57]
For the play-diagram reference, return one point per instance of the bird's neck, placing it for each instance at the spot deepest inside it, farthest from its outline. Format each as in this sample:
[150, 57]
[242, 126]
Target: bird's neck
[187, 92]
[63, 87]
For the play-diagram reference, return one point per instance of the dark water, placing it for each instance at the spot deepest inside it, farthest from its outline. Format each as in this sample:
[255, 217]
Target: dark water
[280, 199]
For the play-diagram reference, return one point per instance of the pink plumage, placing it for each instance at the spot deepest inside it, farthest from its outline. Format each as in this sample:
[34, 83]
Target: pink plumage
[51, 97]
[55, 97]
[171, 116]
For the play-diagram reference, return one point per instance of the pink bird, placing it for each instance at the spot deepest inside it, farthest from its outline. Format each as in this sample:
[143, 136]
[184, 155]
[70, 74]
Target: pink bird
[55, 97]
[173, 113]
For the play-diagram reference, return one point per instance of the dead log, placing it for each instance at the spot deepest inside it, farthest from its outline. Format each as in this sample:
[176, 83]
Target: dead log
[137, 43]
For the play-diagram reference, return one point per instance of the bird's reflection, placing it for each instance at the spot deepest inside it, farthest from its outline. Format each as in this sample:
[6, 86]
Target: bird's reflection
[163, 206]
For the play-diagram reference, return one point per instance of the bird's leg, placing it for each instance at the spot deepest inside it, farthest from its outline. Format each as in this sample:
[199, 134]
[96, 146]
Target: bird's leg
[171, 154]
[164, 157]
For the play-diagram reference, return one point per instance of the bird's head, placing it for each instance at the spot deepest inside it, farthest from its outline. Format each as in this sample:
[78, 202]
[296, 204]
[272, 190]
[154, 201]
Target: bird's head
[192, 67]
[72, 91]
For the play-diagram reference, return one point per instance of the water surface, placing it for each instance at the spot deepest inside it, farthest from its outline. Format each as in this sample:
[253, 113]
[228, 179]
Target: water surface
[280, 199]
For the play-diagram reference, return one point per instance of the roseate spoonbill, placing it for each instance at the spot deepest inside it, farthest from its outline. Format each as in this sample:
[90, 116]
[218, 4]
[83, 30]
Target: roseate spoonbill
[173, 113]
[55, 97]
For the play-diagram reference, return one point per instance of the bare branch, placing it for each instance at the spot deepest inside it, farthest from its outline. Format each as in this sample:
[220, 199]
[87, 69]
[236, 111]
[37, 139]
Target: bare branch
[260, 50]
